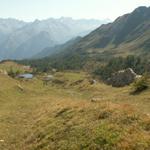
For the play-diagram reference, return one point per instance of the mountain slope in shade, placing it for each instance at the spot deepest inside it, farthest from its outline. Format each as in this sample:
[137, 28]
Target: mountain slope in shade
[24, 40]
[33, 45]
[128, 34]
[57, 49]
[124, 30]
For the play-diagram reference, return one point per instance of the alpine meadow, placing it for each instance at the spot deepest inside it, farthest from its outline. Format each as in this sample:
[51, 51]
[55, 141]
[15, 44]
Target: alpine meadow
[75, 75]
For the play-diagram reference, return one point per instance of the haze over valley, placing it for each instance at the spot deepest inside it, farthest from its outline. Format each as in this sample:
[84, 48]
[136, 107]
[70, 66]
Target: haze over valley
[20, 39]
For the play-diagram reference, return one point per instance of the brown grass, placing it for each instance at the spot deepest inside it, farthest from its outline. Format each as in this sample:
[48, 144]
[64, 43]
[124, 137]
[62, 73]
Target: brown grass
[45, 117]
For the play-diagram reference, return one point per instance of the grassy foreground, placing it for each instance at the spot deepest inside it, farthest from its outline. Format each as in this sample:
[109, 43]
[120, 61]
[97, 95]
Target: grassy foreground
[61, 115]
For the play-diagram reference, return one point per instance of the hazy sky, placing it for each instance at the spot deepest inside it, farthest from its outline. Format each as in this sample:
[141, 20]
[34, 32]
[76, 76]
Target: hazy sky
[29, 10]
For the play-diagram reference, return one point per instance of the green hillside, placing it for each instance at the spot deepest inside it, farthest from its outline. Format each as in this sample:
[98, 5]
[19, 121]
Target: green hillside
[69, 112]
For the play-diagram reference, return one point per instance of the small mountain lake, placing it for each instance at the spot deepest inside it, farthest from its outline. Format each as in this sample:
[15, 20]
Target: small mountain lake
[26, 76]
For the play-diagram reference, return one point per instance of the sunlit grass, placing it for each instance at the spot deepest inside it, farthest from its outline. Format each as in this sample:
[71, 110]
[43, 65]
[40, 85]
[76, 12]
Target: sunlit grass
[53, 116]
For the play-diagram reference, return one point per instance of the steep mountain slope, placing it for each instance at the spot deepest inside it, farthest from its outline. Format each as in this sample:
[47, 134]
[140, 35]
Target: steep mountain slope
[128, 34]
[57, 49]
[124, 30]
[25, 41]
[33, 45]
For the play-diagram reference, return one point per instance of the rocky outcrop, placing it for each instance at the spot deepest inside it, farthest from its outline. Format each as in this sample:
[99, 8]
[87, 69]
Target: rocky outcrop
[122, 78]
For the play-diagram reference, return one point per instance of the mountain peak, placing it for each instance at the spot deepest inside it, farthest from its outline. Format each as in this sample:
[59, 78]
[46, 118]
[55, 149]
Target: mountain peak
[142, 8]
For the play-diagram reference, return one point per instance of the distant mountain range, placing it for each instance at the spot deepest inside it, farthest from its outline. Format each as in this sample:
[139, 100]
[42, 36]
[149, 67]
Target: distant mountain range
[127, 35]
[20, 39]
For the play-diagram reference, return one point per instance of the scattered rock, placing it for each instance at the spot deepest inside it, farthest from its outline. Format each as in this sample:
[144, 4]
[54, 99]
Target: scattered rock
[48, 78]
[76, 82]
[57, 81]
[54, 70]
[92, 81]
[138, 76]
[94, 100]
[122, 78]
[1, 140]
[20, 87]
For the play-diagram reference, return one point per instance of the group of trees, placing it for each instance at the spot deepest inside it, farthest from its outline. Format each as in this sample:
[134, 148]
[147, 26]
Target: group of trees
[72, 62]
[13, 72]
[138, 64]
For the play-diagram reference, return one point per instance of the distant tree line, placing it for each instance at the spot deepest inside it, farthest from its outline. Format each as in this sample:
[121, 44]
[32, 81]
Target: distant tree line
[138, 64]
[70, 62]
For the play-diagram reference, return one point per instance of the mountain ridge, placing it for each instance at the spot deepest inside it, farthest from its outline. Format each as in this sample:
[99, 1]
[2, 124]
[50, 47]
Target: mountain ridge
[59, 30]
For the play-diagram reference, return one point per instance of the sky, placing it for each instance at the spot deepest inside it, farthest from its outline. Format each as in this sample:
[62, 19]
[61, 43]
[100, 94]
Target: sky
[29, 10]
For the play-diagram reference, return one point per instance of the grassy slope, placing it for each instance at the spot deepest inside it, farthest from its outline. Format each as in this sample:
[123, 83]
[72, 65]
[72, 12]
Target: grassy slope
[61, 116]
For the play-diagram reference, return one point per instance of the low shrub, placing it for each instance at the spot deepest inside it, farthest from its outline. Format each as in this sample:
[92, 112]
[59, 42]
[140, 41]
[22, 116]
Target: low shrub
[141, 84]
[13, 73]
